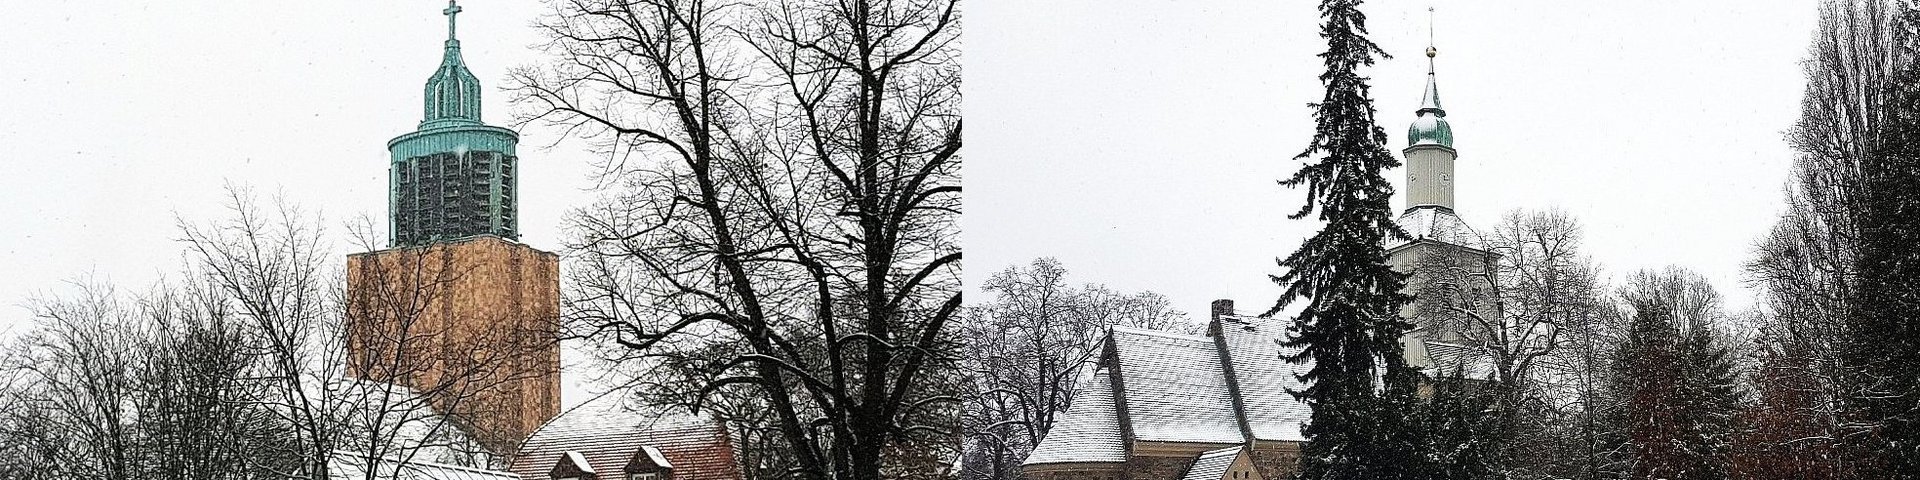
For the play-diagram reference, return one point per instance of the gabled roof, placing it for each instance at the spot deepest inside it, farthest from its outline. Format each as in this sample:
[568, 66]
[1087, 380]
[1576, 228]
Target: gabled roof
[344, 465]
[1266, 378]
[1173, 387]
[607, 437]
[1213, 464]
[1088, 431]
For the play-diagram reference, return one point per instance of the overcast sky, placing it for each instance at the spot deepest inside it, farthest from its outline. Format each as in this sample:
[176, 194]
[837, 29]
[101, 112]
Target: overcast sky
[1139, 141]
[1136, 140]
[115, 117]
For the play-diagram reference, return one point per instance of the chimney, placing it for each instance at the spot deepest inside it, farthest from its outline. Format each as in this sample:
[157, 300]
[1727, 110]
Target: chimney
[1222, 307]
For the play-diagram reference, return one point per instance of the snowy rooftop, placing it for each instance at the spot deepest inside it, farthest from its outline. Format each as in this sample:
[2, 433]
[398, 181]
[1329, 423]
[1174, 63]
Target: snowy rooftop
[1266, 377]
[1212, 465]
[1178, 388]
[1437, 224]
[343, 465]
[1450, 359]
[1174, 387]
[1089, 431]
[608, 435]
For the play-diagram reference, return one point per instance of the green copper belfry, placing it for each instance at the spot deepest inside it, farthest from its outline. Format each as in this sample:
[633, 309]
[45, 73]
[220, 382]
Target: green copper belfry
[454, 177]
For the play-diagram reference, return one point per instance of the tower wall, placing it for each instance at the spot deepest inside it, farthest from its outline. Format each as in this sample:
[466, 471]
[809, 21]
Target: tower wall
[1429, 176]
[471, 323]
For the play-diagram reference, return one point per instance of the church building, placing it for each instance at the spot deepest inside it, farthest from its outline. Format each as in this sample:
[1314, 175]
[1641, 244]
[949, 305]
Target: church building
[457, 311]
[457, 308]
[1168, 406]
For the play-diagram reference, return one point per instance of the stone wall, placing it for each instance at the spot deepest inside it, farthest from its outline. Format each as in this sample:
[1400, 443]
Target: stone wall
[1277, 460]
[1141, 467]
[473, 324]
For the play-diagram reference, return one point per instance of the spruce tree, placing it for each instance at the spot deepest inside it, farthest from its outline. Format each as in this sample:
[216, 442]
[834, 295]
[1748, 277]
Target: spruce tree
[1679, 396]
[1361, 390]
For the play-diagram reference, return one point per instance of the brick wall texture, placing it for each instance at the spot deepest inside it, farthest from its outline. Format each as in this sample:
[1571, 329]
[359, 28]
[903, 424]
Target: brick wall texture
[472, 324]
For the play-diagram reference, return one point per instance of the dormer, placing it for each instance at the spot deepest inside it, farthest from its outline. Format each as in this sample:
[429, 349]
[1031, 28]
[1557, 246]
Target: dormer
[573, 466]
[648, 463]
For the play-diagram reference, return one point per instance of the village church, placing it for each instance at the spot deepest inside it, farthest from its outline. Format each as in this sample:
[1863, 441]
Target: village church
[1168, 406]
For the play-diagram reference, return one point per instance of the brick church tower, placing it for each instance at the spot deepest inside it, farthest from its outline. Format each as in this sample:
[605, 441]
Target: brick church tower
[456, 309]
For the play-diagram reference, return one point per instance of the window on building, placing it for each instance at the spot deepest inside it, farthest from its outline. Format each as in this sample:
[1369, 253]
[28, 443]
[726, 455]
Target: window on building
[643, 476]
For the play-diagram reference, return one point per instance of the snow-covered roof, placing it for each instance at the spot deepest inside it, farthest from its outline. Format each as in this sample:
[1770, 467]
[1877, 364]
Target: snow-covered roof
[1179, 388]
[1174, 388]
[1429, 222]
[1088, 432]
[344, 465]
[1450, 359]
[1266, 378]
[1213, 464]
[607, 434]
[654, 455]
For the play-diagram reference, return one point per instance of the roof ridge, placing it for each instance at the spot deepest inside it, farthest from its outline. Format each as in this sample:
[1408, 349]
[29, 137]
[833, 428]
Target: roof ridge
[1157, 333]
[423, 462]
[1221, 451]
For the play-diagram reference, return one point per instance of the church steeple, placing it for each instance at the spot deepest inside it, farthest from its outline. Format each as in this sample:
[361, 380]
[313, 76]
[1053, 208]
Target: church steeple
[453, 93]
[454, 177]
[1429, 150]
[1430, 126]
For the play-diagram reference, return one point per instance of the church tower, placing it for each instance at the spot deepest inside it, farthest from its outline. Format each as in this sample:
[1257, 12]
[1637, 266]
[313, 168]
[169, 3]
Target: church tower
[1438, 244]
[1430, 150]
[454, 176]
[456, 309]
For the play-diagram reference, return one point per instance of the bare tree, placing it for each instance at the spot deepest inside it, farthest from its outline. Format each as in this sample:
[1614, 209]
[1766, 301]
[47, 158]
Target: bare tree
[239, 369]
[782, 222]
[81, 360]
[1808, 266]
[393, 397]
[1519, 302]
[1028, 352]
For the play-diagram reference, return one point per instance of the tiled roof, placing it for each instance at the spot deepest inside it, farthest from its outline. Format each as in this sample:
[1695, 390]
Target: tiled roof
[1212, 465]
[1266, 379]
[608, 437]
[1436, 223]
[1089, 431]
[1175, 389]
[343, 466]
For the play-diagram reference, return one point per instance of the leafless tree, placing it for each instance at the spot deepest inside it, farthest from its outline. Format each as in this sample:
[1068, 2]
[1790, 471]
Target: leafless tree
[780, 223]
[1806, 267]
[392, 397]
[235, 369]
[1029, 350]
[1519, 302]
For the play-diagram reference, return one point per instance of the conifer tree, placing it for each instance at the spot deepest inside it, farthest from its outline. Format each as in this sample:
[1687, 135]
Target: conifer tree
[1362, 391]
[1679, 398]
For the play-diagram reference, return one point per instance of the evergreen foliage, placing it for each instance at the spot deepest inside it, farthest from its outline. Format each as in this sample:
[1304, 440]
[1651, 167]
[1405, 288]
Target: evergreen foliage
[1464, 430]
[1678, 396]
[1362, 390]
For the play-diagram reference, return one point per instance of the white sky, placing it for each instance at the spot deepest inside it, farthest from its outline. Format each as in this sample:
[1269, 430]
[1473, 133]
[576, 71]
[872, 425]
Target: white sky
[1139, 141]
[114, 119]
[1136, 140]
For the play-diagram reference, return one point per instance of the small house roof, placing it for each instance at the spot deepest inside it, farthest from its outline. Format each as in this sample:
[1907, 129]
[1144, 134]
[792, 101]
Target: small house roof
[1213, 464]
[607, 436]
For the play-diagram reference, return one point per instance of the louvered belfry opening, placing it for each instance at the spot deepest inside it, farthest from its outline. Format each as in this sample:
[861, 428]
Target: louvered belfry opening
[448, 195]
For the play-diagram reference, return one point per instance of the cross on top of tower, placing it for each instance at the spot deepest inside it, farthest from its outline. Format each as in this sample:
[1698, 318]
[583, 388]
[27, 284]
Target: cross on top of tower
[453, 8]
